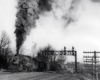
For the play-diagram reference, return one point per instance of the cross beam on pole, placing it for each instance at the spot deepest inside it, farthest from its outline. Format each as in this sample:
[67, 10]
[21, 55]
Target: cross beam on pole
[94, 67]
[90, 56]
[91, 51]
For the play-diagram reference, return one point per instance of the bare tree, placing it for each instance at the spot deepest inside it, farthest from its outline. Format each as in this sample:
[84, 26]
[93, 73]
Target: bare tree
[34, 50]
[4, 43]
[4, 49]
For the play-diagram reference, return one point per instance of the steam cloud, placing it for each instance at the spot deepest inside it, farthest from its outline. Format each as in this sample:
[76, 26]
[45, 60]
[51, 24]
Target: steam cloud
[54, 18]
[58, 23]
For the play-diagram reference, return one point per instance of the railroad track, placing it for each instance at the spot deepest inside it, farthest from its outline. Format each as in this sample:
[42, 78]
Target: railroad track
[47, 76]
[36, 76]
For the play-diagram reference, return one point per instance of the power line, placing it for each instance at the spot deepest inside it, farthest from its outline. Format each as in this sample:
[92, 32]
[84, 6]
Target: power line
[93, 60]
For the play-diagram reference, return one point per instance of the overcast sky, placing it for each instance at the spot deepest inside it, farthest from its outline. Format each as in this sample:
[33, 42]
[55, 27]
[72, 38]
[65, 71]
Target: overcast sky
[7, 19]
[83, 32]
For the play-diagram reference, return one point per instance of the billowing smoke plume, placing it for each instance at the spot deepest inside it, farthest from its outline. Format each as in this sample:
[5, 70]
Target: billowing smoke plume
[50, 25]
[59, 23]
[28, 13]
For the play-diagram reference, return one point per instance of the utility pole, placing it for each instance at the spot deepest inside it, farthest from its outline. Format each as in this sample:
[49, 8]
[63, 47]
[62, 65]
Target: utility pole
[94, 61]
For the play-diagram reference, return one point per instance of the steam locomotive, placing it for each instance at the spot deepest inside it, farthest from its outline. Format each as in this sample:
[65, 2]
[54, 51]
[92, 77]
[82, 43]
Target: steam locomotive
[21, 63]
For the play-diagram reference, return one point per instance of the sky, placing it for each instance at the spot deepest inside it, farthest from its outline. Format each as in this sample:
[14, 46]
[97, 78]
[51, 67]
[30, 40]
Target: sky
[7, 19]
[75, 24]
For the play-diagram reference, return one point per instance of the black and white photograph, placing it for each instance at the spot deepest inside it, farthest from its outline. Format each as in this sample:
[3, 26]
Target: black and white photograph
[49, 39]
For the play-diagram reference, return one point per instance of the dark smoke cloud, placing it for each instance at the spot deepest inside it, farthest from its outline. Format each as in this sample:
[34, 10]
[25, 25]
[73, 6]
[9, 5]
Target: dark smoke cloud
[95, 0]
[68, 17]
[28, 13]
[45, 5]
[72, 8]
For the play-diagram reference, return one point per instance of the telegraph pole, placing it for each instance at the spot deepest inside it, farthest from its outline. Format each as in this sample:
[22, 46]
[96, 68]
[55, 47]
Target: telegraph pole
[94, 60]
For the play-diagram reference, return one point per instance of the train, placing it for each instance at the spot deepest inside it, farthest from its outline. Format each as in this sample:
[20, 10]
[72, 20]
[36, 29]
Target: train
[21, 63]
